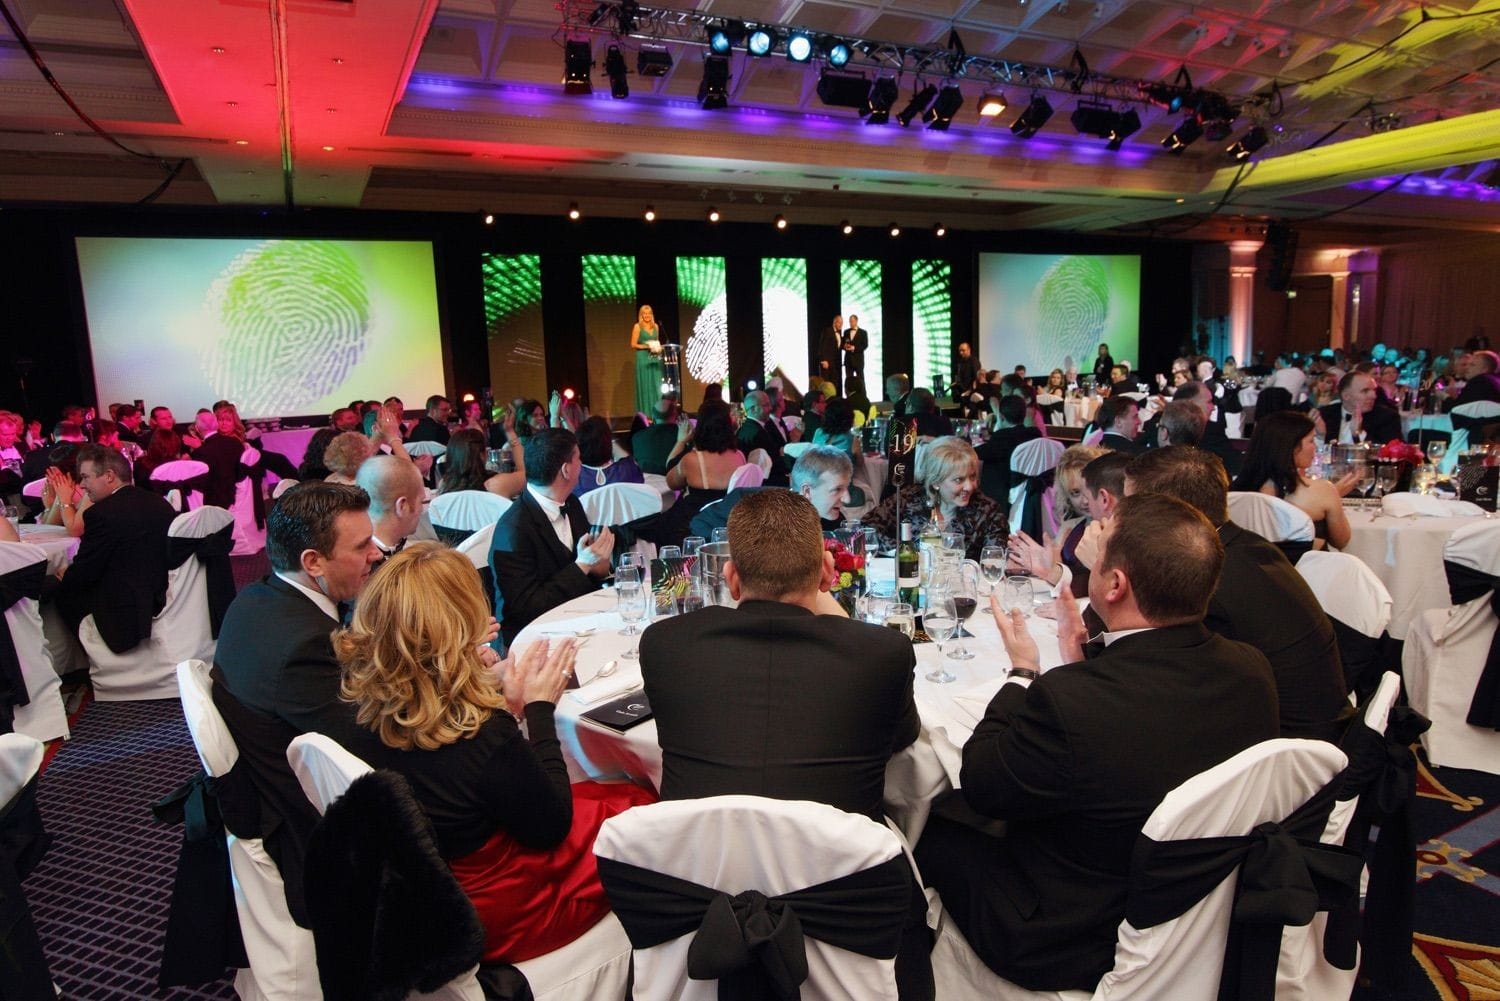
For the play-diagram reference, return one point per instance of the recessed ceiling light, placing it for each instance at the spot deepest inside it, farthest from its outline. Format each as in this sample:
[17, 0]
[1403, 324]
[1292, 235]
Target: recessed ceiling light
[232, 104]
[59, 133]
[895, 230]
[242, 142]
[847, 227]
[781, 222]
[940, 230]
[217, 50]
[489, 219]
[327, 149]
[573, 212]
[713, 214]
[338, 61]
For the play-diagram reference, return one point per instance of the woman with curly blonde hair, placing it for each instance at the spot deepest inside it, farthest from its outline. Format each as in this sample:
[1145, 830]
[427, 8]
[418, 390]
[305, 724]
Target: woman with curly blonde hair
[517, 836]
[946, 492]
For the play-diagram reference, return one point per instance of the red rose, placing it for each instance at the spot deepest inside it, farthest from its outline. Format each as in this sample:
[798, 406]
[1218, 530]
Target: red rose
[843, 562]
[859, 562]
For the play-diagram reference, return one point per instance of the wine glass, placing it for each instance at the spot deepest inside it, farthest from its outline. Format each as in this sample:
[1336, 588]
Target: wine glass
[964, 587]
[1436, 450]
[1017, 594]
[694, 597]
[721, 534]
[992, 564]
[632, 608]
[1387, 476]
[626, 578]
[1366, 482]
[900, 617]
[940, 622]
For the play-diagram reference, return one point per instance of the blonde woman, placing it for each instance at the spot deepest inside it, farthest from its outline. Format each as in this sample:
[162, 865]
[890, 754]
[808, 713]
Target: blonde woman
[1070, 505]
[645, 339]
[946, 492]
[518, 838]
[344, 455]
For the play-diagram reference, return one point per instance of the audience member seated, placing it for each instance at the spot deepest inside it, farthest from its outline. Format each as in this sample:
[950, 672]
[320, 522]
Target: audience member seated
[821, 474]
[120, 573]
[1095, 489]
[396, 493]
[1120, 418]
[544, 552]
[1075, 759]
[922, 409]
[1282, 448]
[464, 468]
[275, 671]
[745, 721]
[12, 452]
[700, 465]
[759, 431]
[313, 467]
[1010, 431]
[517, 836]
[604, 461]
[63, 500]
[531, 417]
[898, 392]
[1181, 423]
[434, 423]
[345, 419]
[946, 492]
[1483, 380]
[836, 427]
[67, 437]
[1261, 599]
[1356, 418]
[222, 448]
[651, 445]
[344, 455]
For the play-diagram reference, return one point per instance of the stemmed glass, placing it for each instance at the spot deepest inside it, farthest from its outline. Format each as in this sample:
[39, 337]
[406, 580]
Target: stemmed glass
[721, 534]
[626, 579]
[694, 597]
[900, 617]
[1366, 483]
[940, 622]
[954, 540]
[964, 587]
[992, 564]
[631, 600]
[1436, 450]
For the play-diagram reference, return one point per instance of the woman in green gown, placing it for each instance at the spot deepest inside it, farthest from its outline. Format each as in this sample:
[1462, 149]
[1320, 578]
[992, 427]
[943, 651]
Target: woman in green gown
[645, 338]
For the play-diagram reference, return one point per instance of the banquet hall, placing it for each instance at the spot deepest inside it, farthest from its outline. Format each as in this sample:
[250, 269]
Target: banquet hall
[533, 211]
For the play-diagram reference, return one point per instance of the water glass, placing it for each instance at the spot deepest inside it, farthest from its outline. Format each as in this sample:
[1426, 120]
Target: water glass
[1436, 450]
[873, 607]
[626, 578]
[900, 617]
[1016, 593]
[721, 534]
[669, 553]
[632, 601]
[692, 544]
[940, 622]
[992, 564]
[954, 540]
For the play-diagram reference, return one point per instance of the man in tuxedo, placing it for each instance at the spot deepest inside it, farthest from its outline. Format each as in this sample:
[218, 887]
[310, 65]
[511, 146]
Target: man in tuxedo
[1120, 417]
[544, 552]
[120, 573]
[1355, 417]
[830, 361]
[821, 474]
[275, 672]
[394, 486]
[854, 344]
[223, 451]
[1483, 380]
[898, 391]
[759, 431]
[1180, 422]
[994, 454]
[1074, 760]
[131, 422]
[434, 423]
[1260, 599]
[67, 439]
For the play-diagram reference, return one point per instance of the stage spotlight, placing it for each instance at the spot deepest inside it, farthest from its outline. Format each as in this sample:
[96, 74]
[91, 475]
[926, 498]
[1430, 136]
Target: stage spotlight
[650, 213]
[919, 101]
[883, 93]
[843, 90]
[1250, 144]
[751, 385]
[489, 219]
[726, 36]
[992, 105]
[940, 231]
[1033, 118]
[614, 67]
[578, 62]
[781, 222]
[713, 90]
[940, 115]
[653, 60]
[573, 212]
[1186, 134]
[846, 227]
[895, 230]
[1093, 119]
[838, 53]
[760, 42]
[1127, 124]
[713, 214]
[799, 48]
[719, 42]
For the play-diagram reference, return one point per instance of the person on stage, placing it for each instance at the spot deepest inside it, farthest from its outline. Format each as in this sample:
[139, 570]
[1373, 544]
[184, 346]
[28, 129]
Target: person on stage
[645, 338]
[830, 364]
[854, 344]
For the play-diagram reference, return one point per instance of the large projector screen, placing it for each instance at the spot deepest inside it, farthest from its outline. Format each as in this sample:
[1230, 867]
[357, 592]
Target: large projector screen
[279, 327]
[1047, 311]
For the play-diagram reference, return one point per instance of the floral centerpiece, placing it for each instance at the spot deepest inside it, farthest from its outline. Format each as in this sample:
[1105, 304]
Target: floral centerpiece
[850, 566]
[1404, 456]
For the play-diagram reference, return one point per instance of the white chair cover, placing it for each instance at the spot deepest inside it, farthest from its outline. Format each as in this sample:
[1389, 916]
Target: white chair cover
[467, 510]
[1033, 458]
[44, 718]
[1445, 654]
[1459, 440]
[737, 843]
[794, 449]
[20, 759]
[1272, 518]
[1047, 399]
[1249, 395]
[477, 546]
[1234, 425]
[283, 963]
[761, 458]
[620, 503]
[748, 475]
[179, 470]
[180, 631]
[1180, 959]
[282, 486]
[418, 448]
[1348, 590]
[249, 538]
[34, 488]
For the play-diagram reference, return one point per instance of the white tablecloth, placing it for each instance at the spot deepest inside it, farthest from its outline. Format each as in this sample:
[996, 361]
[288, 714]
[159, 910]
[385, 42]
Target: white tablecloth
[915, 777]
[1407, 555]
[55, 541]
[1079, 410]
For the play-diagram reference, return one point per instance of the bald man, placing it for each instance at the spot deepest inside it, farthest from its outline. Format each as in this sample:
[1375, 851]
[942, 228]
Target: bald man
[396, 495]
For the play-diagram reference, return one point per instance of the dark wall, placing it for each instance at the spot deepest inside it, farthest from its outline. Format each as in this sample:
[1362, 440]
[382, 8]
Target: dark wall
[46, 339]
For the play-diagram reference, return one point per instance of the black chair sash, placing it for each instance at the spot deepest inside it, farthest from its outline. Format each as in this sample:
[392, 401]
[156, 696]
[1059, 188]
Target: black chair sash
[1477, 427]
[755, 945]
[23, 583]
[1285, 878]
[1031, 502]
[1382, 772]
[1464, 585]
[23, 842]
[203, 927]
[183, 488]
[213, 552]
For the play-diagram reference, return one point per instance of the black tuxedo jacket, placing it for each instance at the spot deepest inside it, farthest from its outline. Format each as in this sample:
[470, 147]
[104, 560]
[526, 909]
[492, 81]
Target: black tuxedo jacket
[120, 572]
[1120, 443]
[768, 699]
[1484, 386]
[222, 453]
[1381, 424]
[276, 677]
[1262, 600]
[753, 435]
[1075, 764]
[829, 352]
[994, 458]
[854, 361]
[534, 572]
[428, 429]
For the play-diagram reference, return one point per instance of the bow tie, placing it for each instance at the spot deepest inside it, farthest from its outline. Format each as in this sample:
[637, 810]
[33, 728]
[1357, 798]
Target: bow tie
[345, 610]
[388, 553]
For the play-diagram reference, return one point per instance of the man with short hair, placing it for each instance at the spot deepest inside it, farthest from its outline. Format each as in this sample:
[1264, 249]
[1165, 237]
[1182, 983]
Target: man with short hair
[345, 419]
[396, 494]
[1120, 417]
[120, 573]
[994, 454]
[1260, 599]
[544, 552]
[1075, 759]
[1483, 379]
[922, 409]
[275, 672]
[821, 474]
[898, 391]
[756, 432]
[853, 344]
[1355, 417]
[130, 421]
[434, 423]
[224, 452]
[830, 365]
[67, 438]
[1182, 423]
[651, 446]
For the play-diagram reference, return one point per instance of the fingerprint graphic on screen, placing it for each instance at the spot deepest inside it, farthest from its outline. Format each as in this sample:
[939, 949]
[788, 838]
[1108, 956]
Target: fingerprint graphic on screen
[292, 319]
[1072, 305]
[708, 347]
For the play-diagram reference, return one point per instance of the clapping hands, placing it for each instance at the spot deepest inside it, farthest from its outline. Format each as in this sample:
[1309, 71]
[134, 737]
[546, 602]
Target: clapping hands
[539, 673]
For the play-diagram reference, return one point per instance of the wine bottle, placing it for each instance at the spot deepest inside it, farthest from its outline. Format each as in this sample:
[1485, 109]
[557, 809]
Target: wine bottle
[908, 567]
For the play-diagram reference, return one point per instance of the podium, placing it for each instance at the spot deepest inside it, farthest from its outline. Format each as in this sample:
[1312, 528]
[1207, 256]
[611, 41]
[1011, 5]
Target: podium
[671, 370]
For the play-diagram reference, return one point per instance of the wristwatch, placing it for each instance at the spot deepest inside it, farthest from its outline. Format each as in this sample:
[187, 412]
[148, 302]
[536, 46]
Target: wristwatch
[1022, 674]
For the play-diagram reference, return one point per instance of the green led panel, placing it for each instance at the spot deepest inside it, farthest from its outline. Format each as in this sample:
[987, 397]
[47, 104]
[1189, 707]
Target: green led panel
[932, 321]
[783, 296]
[859, 291]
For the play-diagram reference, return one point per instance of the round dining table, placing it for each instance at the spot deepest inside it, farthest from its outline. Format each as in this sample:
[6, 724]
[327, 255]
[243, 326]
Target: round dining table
[1406, 553]
[914, 778]
[55, 541]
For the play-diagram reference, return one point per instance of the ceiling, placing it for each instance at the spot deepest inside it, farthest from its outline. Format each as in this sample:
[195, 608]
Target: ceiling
[456, 105]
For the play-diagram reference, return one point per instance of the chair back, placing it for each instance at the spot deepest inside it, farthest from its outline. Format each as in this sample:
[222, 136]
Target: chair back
[793, 449]
[467, 510]
[34, 488]
[181, 474]
[1272, 518]
[323, 768]
[1466, 418]
[1476, 546]
[761, 458]
[1035, 457]
[477, 547]
[420, 448]
[211, 736]
[620, 503]
[741, 843]
[1182, 958]
[1348, 590]
[1034, 515]
[20, 760]
[748, 475]
[282, 486]
[43, 717]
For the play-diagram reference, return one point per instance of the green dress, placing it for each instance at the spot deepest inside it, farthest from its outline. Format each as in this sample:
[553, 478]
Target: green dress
[647, 374]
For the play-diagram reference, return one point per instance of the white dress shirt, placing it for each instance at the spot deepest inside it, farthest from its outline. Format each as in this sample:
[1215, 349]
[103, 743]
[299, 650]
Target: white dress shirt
[555, 514]
[316, 597]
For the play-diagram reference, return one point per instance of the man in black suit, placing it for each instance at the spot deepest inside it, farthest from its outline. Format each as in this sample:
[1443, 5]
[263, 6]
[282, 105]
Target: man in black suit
[830, 363]
[434, 424]
[854, 343]
[223, 451]
[898, 391]
[994, 454]
[120, 573]
[1356, 418]
[758, 431]
[921, 407]
[1483, 380]
[275, 672]
[1261, 599]
[1120, 417]
[651, 446]
[1076, 762]
[821, 474]
[543, 552]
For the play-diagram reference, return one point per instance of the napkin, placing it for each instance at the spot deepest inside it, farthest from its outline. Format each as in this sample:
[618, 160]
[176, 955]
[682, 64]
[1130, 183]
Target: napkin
[970, 704]
[1426, 505]
[611, 688]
